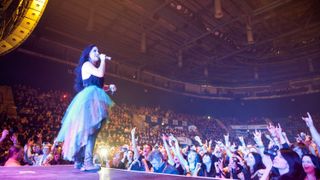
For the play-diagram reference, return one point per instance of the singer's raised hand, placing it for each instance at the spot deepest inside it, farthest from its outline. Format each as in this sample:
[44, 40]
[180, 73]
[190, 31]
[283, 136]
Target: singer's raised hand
[102, 57]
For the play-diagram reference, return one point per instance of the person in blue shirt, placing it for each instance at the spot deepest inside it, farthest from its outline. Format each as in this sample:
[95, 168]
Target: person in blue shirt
[159, 165]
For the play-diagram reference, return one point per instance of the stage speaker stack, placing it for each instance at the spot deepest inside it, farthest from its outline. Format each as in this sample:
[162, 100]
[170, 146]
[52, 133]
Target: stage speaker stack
[18, 21]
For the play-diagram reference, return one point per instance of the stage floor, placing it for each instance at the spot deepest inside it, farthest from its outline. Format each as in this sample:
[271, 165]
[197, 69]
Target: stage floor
[68, 172]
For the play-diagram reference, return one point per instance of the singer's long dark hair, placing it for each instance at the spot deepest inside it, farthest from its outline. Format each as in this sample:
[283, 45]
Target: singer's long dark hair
[78, 83]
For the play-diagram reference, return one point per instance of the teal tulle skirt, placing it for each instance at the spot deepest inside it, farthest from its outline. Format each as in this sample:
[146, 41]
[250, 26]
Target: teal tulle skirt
[84, 116]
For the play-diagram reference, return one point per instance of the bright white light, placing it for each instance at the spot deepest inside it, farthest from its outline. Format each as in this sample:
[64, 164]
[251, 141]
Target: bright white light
[103, 152]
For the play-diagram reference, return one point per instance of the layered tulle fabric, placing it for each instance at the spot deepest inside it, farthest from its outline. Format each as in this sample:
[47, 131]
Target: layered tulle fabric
[84, 116]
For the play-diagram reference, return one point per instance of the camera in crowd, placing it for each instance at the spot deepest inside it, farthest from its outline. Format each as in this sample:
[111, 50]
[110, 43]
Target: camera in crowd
[272, 151]
[124, 148]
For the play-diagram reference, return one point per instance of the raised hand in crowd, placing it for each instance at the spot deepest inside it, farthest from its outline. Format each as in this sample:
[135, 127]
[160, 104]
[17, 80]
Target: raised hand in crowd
[198, 139]
[4, 134]
[279, 135]
[166, 147]
[257, 136]
[210, 145]
[14, 139]
[273, 132]
[226, 140]
[314, 133]
[308, 120]
[134, 144]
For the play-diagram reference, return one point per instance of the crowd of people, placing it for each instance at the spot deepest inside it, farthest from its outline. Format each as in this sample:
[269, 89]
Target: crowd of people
[286, 150]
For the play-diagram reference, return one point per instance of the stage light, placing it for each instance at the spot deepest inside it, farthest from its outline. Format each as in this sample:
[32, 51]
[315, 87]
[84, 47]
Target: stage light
[218, 9]
[256, 74]
[179, 7]
[90, 24]
[205, 72]
[22, 21]
[143, 42]
[311, 67]
[103, 153]
[180, 63]
[249, 31]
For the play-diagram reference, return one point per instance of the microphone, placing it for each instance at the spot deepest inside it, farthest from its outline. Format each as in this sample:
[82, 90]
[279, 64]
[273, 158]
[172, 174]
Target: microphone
[106, 57]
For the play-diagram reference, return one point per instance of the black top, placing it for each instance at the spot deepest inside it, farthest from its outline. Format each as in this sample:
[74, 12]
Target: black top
[93, 80]
[211, 173]
[139, 166]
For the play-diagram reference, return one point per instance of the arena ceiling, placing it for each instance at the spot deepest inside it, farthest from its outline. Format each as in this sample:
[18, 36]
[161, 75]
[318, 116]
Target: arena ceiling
[251, 42]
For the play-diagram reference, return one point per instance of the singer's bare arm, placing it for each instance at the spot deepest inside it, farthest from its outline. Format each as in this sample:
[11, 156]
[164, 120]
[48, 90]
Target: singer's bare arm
[89, 69]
